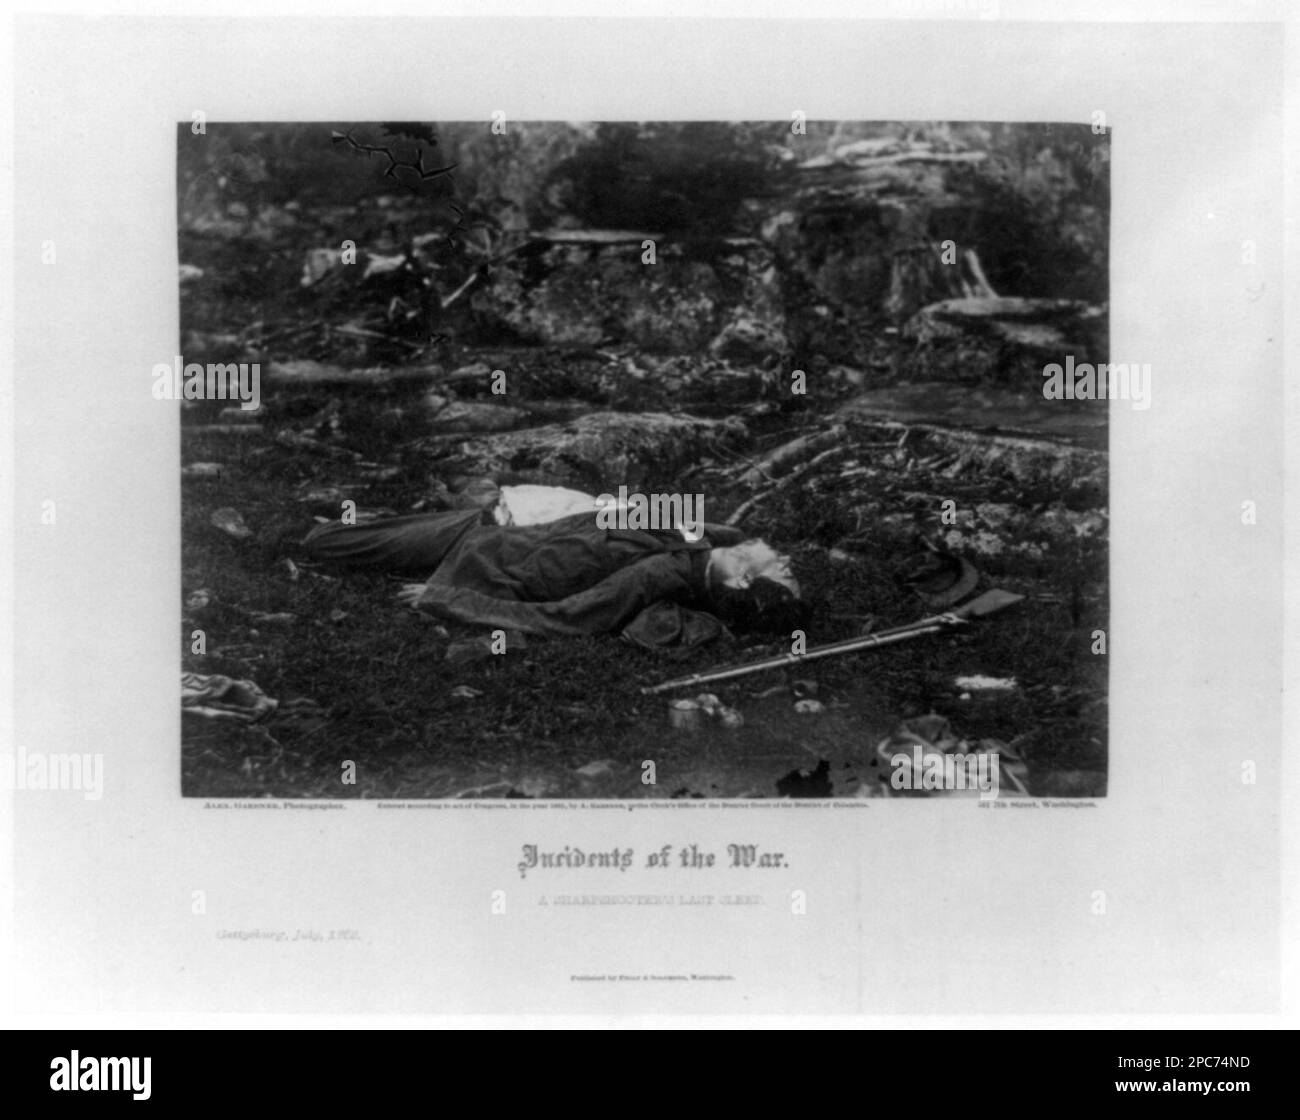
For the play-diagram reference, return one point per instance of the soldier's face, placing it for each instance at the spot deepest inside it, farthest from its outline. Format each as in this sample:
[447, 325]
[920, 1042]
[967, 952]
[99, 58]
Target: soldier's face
[756, 560]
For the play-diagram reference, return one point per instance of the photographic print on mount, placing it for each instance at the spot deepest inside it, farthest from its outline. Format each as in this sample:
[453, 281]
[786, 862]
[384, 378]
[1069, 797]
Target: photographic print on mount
[616, 460]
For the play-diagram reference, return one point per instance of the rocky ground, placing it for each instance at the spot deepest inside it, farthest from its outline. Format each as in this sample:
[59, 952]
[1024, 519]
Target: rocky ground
[923, 421]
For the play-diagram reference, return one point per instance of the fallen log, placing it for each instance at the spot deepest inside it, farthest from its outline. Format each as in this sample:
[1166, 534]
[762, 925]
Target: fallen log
[308, 374]
[993, 440]
[749, 503]
[297, 442]
[311, 374]
[362, 332]
[224, 429]
[790, 454]
[1022, 458]
[596, 236]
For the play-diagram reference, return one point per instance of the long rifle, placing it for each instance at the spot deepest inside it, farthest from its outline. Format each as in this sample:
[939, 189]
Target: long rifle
[978, 607]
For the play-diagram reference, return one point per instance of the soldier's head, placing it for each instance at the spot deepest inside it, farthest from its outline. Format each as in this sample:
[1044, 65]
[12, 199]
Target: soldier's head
[740, 565]
[753, 588]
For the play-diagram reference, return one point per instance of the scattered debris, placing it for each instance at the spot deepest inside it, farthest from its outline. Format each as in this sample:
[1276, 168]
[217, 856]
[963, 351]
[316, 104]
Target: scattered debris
[382, 266]
[536, 786]
[708, 703]
[982, 543]
[231, 522]
[469, 649]
[716, 710]
[806, 783]
[928, 740]
[201, 470]
[332, 496]
[317, 265]
[491, 788]
[219, 697]
[855, 378]
[809, 707]
[684, 715]
[688, 715]
[986, 684]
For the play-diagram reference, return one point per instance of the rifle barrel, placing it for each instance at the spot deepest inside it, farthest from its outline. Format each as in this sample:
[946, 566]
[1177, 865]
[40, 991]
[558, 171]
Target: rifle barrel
[867, 641]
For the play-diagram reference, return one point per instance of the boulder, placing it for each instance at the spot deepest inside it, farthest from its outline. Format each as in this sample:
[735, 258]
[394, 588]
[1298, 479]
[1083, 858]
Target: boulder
[598, 452]
[599, 291]
[1051, 327]
[985, 408]
[703, 385]
[450, 416]
[1006, 340]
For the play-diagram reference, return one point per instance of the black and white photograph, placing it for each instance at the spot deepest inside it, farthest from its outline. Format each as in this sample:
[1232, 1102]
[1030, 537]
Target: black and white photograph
[645, 459]
[659, 521]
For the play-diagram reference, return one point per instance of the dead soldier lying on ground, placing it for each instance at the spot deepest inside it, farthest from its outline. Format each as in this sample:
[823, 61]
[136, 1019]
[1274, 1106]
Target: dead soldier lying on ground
[537, 560]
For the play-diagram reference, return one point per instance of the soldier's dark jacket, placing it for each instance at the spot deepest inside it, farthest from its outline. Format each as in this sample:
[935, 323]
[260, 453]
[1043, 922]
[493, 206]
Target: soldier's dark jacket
[565, 577]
